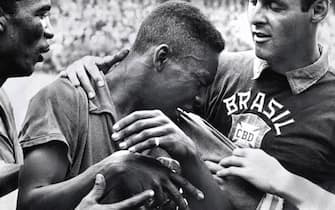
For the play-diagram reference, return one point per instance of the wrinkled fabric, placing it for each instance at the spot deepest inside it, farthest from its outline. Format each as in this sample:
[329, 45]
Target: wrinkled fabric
[295, 124]
[10, 150]
[62, 113]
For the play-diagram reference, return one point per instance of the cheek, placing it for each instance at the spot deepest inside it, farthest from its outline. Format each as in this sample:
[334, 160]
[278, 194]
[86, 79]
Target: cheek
[31, 30]
[290, 26]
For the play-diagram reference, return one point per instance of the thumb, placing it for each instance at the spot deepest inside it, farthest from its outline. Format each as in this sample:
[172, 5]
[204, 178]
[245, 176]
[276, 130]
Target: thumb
[98, 188]
[105, 63]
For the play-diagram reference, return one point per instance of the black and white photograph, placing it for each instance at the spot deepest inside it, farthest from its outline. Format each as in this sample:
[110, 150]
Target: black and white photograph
[167, 105]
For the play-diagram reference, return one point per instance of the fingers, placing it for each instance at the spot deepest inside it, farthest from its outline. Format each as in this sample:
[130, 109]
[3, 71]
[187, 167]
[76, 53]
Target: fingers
[150, 135]
[232, 161]
[135, 201]
[136, 127]
[86, 84]
[72, 75]
[213, 167]
[78, 73]
[98, 188]
[93, 71]
[232, 171]
[187, 186]
[108, 61]
[218, 179]
[176, 196]
[131, 118]
[148, 144]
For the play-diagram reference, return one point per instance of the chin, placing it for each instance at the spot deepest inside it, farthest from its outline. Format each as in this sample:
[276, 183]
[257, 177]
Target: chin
[26, 69]
[262, 53]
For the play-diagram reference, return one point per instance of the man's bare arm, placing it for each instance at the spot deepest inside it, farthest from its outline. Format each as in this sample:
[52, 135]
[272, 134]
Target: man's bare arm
[42, 180]
[43, 183]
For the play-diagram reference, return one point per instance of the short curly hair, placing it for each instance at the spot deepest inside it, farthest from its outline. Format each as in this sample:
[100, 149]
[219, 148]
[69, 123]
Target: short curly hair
[180, 25]
[8, 6]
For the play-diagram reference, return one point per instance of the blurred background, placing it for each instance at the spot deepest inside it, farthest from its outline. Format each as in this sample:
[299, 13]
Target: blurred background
[92, 27]
[103, 27]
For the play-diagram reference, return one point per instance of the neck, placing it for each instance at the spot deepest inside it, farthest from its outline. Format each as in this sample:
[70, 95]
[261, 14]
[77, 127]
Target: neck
[303, 56]
[125, 82]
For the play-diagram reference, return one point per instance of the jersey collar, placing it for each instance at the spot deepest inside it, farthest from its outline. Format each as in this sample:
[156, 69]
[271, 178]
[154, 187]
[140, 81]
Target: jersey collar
[302, 78]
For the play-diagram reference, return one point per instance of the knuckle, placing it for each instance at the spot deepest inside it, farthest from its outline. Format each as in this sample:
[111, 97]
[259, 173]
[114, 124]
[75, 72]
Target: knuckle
[169, 129]
[139, 124]
[151, 141]
[136, 114]
[145, 134]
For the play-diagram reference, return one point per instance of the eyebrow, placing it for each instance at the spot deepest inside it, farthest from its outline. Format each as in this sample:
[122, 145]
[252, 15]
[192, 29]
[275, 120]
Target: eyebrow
[276, 1]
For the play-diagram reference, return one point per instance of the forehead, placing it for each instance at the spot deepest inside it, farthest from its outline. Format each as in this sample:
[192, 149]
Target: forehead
[34, 5]
[290, 3]
[203, 61]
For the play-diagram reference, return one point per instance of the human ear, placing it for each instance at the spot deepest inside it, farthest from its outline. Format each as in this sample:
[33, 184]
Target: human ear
[161, 55]
[3, 23]
[319, 10]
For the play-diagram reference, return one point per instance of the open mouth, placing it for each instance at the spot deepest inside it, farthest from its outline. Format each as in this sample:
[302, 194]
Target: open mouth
[40, 57]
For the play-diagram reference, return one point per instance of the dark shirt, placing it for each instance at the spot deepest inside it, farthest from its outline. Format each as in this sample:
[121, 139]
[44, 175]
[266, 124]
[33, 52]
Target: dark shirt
[291, 116]
[10, 150]
[62, 113]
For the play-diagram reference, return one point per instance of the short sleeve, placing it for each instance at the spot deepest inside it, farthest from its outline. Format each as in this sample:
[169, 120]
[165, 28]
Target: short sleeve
[6, 150]
[54, 115]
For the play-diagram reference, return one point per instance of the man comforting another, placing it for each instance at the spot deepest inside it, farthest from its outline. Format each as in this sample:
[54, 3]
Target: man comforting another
[66, 138]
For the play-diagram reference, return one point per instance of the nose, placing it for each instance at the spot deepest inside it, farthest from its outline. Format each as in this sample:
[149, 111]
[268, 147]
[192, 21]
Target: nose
[257, 13]
[48, 29]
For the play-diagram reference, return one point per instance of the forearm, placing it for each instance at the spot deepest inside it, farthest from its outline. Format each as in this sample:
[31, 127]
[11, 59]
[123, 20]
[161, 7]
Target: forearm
[8, 178]
[64, 195]
[195, 170]
[304, 194]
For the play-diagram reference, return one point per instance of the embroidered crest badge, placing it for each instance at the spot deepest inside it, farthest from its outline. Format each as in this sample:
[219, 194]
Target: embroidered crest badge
[248, 130]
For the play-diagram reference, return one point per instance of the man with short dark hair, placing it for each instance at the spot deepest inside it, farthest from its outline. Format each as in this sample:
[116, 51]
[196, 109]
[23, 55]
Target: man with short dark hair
[24, 33]
[23, 39]
[279, 97]
[66, 138]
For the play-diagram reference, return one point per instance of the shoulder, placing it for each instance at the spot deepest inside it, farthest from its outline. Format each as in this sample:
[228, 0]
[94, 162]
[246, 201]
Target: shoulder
[55, 113]
[234, 69]
[238, 65]
[60, 94]
[235, 60]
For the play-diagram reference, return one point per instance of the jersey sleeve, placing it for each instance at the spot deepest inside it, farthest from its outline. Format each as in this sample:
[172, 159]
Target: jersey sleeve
[6, 151]
[54, 115]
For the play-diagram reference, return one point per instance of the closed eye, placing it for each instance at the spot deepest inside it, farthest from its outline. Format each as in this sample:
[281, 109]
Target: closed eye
[204, 78]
